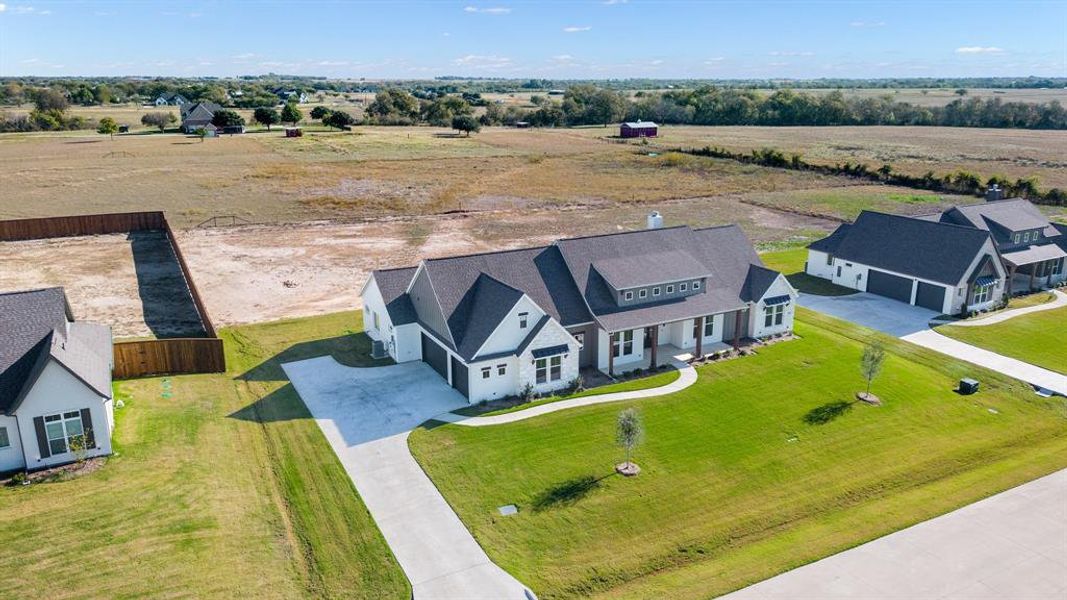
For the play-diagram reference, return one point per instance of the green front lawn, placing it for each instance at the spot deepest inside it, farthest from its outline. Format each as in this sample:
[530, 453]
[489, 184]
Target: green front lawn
[1037, 338]
[222, 487]
[791, 264]
[765, 464]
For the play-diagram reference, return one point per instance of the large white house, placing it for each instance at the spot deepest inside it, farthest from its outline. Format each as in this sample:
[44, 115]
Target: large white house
[492, 324]
[55, 382]
[964, 259]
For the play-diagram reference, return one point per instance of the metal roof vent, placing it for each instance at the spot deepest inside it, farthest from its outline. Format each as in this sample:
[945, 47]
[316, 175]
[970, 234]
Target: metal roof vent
[655, 220]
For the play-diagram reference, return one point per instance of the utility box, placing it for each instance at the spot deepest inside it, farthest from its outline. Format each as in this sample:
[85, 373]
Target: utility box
[968, 386]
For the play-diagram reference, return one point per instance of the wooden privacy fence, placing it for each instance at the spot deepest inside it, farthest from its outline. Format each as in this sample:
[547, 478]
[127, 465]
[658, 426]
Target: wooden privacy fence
[137, 358]
[168, 357]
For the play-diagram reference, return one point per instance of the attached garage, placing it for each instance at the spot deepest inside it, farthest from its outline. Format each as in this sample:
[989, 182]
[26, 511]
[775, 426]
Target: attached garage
[460, 377]
[435, 356]
[930, 296]
[889, 285]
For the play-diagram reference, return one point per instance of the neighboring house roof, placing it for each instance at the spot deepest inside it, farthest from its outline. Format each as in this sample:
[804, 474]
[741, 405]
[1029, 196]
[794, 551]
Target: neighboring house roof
[199, 111]
[1061, 240]
[1034, 254]
[829, 243]
[35, 327]
[637, 124]
[392, 283]
[936, 251]
[1009, 215]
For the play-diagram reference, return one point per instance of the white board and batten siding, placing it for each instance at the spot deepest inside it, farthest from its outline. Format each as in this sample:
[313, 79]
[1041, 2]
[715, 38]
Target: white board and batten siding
[621, 363]
[510, 332]
[11, 455]
[402, 342]
[757, 316]
[57, 391]
[496, 385]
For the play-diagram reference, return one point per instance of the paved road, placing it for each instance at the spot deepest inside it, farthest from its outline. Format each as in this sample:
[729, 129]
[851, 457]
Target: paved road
[910, 323]
[686, 378]
[1009, 546]
[366, 415]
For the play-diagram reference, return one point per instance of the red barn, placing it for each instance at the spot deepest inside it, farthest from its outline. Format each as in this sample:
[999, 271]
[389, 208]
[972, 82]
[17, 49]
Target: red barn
[638, 129]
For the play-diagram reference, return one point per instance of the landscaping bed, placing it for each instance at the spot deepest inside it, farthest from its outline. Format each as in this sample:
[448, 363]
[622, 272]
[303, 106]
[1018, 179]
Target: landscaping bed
[763, 465]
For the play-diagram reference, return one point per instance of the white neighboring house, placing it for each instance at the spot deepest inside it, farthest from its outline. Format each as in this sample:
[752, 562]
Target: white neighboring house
[55, 382]
[492, 324]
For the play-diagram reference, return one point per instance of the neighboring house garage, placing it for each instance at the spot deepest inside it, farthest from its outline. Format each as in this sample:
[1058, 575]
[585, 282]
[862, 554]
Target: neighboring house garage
[889, 285]
[435, 356]
[930, 296]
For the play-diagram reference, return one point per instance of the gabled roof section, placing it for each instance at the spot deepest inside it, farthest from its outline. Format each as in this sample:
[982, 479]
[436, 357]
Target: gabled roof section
[623, 272]
[829, 243]
[1010, 215]
[937, 251]
[759, 280]
[393, 283]
[480, 312]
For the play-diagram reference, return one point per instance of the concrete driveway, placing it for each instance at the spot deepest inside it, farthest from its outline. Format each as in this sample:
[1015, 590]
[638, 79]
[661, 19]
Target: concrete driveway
[1012, 545]
[366, 415]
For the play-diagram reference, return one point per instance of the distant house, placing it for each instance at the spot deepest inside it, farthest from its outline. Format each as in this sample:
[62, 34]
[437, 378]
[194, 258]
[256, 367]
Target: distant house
[195, 116]
[171, 99]
[55, 382]
[289, 95]
[638, 129]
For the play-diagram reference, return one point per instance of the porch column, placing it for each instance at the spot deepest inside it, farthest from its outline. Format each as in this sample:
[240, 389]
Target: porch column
[1033, 272]
[1049, 264]
[611, 354]
[655, 343]
[737, 330]
[700, 337]
[1011, 280]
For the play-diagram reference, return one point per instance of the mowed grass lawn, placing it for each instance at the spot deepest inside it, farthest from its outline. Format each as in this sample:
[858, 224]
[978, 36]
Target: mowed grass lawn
[1039, 338]
[791, 263]
[225, 489]
[765, 464]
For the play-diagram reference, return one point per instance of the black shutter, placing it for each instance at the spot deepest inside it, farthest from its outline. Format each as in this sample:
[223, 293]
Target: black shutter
[42, 438]
[87, 427]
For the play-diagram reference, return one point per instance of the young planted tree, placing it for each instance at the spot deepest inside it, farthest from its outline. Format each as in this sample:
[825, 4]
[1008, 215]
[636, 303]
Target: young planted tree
[159, 119]
[628, 435]
[871, 364]
[291, 114]
[266, 116]
[200, 133]
[107, 126]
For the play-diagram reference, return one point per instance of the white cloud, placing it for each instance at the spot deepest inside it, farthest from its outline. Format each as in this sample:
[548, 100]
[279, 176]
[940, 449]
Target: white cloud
[332, 63]
[478, 61]
[790, 53]
[23, 9]
[866, 24]
[3, 7]
[244, 56]
[30, 61]
[714, 60]
[491, 10]
[612, 2]
[563, 58]
[979, 50]
[576, 29]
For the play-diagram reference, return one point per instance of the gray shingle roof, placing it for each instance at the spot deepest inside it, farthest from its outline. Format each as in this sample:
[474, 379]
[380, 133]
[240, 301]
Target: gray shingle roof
[937, 251]
[393, 284]
[1011, 215]
[829, 243]
[1033, 254]
[759, 280]
[483, 307]
[623, 272]
[34, 327]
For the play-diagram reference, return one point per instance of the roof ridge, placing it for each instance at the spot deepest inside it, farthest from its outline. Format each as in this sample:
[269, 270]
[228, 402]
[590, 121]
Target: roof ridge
[33, 291]
[935, 223]
[488, 252]
[710, 227]
[586, 237]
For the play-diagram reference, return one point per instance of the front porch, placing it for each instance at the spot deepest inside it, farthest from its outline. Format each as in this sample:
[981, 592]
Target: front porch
[683, 340]
[1028, 273]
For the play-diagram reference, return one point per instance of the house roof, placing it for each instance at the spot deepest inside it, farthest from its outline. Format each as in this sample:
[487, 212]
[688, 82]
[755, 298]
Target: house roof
[623, 272]
[829, 243]
[759, 280]
[1034, 254]
[35, 327]
[392, 283]
[1011, 215]
[937, 251]
[635, 124]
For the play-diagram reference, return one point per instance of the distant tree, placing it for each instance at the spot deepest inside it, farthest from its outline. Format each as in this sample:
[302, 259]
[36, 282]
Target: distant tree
[49, 99]
[266, 116]
[159, 119]
[871, 363]
[227, 118]
[339, 119]
[102, 94]
[629, 432]
[107, 126]
[200, 133]
[885, 170]
[291, 114]
[466, 124]
[961, 92]
[394, 106]
[320, 112]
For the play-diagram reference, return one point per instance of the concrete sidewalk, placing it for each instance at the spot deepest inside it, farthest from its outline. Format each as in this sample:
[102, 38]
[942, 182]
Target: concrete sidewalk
[1009, 546]
[687, 376]
[1059, 301]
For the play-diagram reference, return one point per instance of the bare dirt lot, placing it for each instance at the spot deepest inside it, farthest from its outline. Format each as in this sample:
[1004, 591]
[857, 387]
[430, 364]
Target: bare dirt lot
[131, 282]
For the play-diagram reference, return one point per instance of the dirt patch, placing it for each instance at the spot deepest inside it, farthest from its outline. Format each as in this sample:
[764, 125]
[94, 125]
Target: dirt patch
[129, 281]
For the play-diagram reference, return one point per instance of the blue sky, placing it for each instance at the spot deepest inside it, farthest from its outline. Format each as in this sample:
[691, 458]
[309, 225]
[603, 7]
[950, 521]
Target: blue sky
[589, 39]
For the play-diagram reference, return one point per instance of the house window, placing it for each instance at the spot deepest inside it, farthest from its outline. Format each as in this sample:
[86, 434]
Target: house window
[709, 326]
[501, 369]
[580, 338]
[541, 370]
[623, 344]
[1037, 235]
[683, 287]
[773, 315]
[549, 369]
[655, 291]
[377, 324]
[696, 285]
[1057, 267]
[670, 289]
[4, 440]
[485, 372]
[642, 293]
[628, 295]
[830, 259]
[523, 320]
[61, 430]
[1018, 237]
[838, 270]
[1026, 237]
[981, 294]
